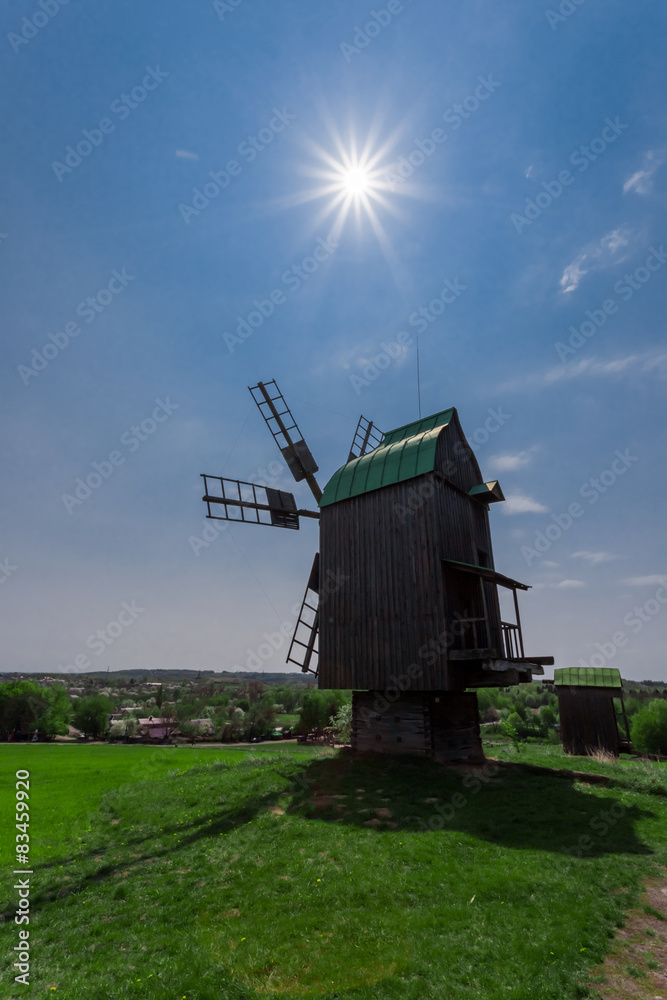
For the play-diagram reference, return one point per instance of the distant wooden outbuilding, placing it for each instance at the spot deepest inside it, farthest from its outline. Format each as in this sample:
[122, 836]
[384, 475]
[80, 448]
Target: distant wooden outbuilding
[589, 719]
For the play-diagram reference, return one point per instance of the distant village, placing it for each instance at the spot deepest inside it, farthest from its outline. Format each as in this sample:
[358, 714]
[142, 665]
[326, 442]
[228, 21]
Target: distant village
[202, 706]
[183, 705]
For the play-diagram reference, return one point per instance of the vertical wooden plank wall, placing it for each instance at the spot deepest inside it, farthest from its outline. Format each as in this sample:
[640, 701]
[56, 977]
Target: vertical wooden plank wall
[385, 549]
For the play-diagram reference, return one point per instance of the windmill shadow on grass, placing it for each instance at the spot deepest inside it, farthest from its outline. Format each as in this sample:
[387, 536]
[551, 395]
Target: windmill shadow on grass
[512, 809]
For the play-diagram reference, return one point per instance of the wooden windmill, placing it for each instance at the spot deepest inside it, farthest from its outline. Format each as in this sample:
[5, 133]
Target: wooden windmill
[402, 601]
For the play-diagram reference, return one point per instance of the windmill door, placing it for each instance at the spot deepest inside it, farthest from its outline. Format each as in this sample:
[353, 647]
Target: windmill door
[465, 610]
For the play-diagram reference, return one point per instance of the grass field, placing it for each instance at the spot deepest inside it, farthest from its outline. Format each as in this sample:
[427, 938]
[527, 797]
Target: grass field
[234, 873]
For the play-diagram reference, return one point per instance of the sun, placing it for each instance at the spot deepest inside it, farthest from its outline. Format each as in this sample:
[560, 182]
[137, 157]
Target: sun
[352, 175]
[356, 181]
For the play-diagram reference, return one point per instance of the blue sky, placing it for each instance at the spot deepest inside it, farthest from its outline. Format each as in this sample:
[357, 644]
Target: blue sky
[516, 151]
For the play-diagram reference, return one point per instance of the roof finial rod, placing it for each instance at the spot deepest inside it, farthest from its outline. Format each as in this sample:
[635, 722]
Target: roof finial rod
[419, 392]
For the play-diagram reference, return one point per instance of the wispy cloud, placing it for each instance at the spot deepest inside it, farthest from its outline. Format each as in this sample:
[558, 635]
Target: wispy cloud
[508, 463]
[518, 503]
[185, 154]
[589, 366]
[641, 181]
[594, 257]
[646, 581]
[570, 584]
[594, 558]
[651, 362]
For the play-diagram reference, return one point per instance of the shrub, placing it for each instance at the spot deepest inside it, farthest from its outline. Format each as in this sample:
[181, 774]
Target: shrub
[649, 727]
[342, 723]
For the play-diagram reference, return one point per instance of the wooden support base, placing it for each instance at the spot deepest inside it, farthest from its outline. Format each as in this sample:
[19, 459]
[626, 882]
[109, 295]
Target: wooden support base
[441, 725]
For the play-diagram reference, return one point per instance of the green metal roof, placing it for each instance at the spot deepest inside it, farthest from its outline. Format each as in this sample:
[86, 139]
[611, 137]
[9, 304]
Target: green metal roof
[606, 677]
[404, 453]
[417, 427]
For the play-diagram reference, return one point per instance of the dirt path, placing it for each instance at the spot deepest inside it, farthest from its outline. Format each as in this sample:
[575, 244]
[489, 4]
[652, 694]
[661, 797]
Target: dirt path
[636, 967]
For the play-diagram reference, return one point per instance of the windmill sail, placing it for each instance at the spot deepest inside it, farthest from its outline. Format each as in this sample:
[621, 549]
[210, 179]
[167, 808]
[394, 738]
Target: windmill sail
[285, 431]
[234, 500]
[366, 437]
[303, 646]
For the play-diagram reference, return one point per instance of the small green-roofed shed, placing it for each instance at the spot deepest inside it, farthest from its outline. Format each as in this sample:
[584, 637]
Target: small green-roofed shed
[602, 677]
[403, 453]
[587, 705]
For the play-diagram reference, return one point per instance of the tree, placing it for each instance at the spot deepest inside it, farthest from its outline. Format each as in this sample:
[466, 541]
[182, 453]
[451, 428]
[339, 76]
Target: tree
[547, 718]
[342, 723]
[649, 727]
[317, 709]
[55, 720]
[26, 706]
[91, 715]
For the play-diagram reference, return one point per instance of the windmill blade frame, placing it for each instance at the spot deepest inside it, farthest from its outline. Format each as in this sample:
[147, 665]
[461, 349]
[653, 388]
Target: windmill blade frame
[248, 503]
[307, 625]
[366, 438]
[286, 433]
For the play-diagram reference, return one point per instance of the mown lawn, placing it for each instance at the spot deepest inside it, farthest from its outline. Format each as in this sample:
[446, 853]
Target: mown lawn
[214, 874]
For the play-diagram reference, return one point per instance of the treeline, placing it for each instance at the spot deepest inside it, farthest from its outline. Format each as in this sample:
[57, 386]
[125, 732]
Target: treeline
[240, 711]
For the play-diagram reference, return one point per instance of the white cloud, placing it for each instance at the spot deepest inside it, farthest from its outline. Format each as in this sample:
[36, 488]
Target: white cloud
[517, 503]
[570, 584]
[573, 274]
[650, 363]
[185, 154]
[646, 581]
[641, 181]
[594, 558]
[658, 363]
[589, 366]
[594, 257]
[529, 171]
[508, 463]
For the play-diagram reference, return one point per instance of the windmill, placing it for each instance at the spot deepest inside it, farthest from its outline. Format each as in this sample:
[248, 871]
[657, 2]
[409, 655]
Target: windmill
[401, 604]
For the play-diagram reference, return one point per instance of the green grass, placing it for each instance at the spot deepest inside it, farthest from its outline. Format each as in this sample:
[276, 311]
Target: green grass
[287, 720]
[236, 873]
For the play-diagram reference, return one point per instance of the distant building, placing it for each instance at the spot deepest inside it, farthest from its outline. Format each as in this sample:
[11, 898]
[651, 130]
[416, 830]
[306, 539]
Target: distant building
[587, 704]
